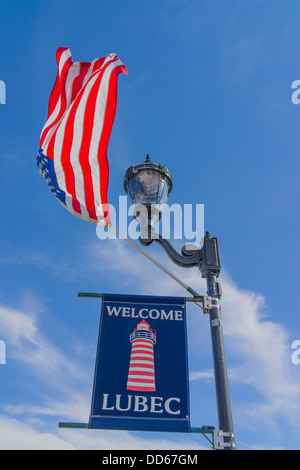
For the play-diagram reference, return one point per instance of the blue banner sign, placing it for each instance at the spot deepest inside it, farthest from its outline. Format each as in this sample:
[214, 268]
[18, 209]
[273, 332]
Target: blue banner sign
[141, 372]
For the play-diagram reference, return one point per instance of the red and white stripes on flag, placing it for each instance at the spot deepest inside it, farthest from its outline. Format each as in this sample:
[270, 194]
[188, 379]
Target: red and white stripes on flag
[74, 140]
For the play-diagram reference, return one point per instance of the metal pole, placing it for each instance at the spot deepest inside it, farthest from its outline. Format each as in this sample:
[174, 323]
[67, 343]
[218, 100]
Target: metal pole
[211, 268]
[221, 379]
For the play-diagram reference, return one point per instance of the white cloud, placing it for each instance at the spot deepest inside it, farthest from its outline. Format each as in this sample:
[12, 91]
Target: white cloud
[54, 263]
[259, 349]
[258, 355]
[23, 424]
[31, 348]
[203, 375]
[123, 440]
[17, 435]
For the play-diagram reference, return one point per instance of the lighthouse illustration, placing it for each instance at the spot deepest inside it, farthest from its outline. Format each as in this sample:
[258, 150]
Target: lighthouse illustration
[141, 376]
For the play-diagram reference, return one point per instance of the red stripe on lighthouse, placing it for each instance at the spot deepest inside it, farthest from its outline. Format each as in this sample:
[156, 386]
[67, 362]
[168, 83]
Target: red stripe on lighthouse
[141, 375]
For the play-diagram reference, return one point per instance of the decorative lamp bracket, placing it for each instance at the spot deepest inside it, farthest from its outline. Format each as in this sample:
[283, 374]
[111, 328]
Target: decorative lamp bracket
[187, 258]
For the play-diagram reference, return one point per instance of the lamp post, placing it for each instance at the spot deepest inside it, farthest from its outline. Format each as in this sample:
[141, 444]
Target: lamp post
[149, 185]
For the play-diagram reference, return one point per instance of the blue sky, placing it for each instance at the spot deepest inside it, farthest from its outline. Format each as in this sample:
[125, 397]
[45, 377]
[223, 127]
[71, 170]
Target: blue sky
[208, 94]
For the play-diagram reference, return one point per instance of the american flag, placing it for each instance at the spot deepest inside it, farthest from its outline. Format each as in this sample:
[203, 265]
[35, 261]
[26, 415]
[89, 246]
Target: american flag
[73, 142]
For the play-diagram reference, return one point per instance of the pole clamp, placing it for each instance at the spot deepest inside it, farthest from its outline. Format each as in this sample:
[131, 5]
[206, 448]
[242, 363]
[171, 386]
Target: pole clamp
[223, 440]
[207, 304]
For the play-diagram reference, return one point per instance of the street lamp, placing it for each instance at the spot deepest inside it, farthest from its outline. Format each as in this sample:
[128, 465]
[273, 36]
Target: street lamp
[149, 185]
